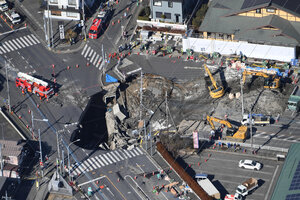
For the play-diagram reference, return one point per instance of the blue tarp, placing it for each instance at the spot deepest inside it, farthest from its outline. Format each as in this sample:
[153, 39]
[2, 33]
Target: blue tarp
[278, 73]
[110, 79]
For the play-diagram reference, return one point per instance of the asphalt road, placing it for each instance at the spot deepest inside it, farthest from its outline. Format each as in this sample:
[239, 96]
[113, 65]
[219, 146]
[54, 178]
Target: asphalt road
[223, 171]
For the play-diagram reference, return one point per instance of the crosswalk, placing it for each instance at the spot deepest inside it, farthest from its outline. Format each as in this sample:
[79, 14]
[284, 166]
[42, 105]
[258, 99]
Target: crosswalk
[92, 56]
[18, 43]
[276, 137]
[103, 160]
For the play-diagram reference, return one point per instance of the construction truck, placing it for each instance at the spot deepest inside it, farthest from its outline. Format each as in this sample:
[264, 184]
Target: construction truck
[3, 5]
[207, 186]
[257, 119]
[238, 134]
[247, 186]
[294, 100]
[13, 16]
[215, 91]
[271, 80]
[33, 85]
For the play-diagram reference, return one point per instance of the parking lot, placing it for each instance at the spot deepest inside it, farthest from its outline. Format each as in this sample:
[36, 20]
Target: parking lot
[222, 169]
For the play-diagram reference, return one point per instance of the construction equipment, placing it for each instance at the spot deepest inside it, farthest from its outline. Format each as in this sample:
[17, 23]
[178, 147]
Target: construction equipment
[271, 81]
[247, 186]
[33, 85]
[215, 91]
[257, 119]
[232, 133]
[207, 185]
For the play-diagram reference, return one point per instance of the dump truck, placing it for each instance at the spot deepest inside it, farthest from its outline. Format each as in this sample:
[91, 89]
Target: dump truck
[13, 16]
[207, 186]
[3, 5]
[247, 186]
[257, 119]
[294, 100]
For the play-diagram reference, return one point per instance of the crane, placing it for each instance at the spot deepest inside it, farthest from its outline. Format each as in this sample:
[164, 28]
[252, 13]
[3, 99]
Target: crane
[215, 91]
[235, 134]
[271, 81]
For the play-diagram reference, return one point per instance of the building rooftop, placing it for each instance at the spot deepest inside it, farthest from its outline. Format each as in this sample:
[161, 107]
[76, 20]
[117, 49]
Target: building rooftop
[221, 18]
[288, 184]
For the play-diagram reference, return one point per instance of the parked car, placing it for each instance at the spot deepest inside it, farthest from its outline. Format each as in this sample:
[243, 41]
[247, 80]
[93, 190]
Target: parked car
[250, 164]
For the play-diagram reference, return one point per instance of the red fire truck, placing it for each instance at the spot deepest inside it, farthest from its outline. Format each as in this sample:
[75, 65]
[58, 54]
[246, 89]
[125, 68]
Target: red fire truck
[98, 25]
[34, 85]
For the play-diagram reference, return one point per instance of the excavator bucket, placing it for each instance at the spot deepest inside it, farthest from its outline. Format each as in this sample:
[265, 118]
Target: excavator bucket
[240, 135]
[217, 93]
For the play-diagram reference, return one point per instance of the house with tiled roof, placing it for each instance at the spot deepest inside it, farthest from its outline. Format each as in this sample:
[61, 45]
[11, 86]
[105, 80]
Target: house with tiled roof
[267, 29]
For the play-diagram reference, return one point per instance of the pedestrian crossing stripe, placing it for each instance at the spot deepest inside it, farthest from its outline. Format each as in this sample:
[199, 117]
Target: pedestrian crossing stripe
[92, 56]
[18, 43]
[103, 160]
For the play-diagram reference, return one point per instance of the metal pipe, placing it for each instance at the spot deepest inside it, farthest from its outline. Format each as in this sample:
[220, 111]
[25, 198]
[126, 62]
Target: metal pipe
[41, 154]
[8, 96]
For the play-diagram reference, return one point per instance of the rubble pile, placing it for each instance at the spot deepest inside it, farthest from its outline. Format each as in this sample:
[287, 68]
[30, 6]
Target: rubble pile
[190, 102]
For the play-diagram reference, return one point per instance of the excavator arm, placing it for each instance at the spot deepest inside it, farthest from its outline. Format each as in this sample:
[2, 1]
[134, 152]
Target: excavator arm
[210, 119]
[211, 77]
[216, 91]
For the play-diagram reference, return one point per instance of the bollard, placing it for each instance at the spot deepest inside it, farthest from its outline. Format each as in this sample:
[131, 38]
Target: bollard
[87, 64]
[118, 179]
[198, 163]
[68, 67]
[77, 66]
[152, 173]
[37, 105]
[112, 23]
[53, 66]
[20, 116]
[138, 53]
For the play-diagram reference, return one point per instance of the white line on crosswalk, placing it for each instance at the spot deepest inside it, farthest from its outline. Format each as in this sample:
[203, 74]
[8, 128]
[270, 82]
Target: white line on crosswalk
[5, 47]
[33, 36]
[107, 159]
[12, 45]
[121, 157]
[95, 61]
[93, 56]
[90, 53]
[111, 157]
[83, 166]
[99, 62]
[91, 165]
[84, 49]
[99, 161]
[25, 43]
[16, 43]
[20, 42]
[77, 170]
[115, 156]
[94, 161]
[127, 153]
[136, 152]
[32, 40]
[25, 38]
[131, 152]
[123, 154]
[87, 51]
[106, 163]
[2, 49]
[8, 46]
[139, 150]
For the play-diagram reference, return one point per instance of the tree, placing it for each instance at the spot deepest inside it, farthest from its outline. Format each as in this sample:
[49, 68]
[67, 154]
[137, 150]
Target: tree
[200, 14]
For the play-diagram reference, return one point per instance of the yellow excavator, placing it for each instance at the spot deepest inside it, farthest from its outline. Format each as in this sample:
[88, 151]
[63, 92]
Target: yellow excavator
[234, 134]
[215, 91]
[271, 81]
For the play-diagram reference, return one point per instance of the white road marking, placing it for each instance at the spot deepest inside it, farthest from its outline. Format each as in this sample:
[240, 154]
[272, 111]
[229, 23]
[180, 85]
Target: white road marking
[104, 155]
[131, 152]
[106, 163]
[9, 47]
[99, 161]
[16, 42]
[12, 44]
[2, 49]
[91, 164]
[24, 42]
[98, 62]
[25, 38]
[139, 150]
[115, 156]
[32, 40]
[33, 36]
[90, 53]
[94, 160]
[121, 157]
[111, 157]
[133, 71]
[84, 49]
[93, 56]
[87, 51]
[127, 154]
[6, 48]
[135, 151]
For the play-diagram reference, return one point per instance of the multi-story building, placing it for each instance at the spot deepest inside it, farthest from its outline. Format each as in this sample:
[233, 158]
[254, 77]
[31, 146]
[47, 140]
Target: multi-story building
[174, 11]
[263, 28]
[66, 9]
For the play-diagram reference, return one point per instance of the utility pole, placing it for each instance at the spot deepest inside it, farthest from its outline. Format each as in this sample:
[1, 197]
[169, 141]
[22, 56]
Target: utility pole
[242, 94]
[167, 109]
[251, 133]
[63, 161]
[1, 163]
[51, 33]
[45, 27]
[58, 152]
[32, 125]
[48, 24]
[41, 155]
[141, 95]
[83, 20]
[8, 96]
[150, 138]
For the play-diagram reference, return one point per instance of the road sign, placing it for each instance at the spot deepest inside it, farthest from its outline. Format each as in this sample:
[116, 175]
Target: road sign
[196, 139]
[61, 31]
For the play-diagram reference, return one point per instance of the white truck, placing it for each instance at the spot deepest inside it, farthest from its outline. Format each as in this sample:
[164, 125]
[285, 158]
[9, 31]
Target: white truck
[13, 16]
[3, 5]
[247, 186]
[207, 186]
[257, 119]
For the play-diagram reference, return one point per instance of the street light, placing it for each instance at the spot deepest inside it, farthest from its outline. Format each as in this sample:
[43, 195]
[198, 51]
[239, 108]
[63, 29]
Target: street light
[69, 158]
[33, 119]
